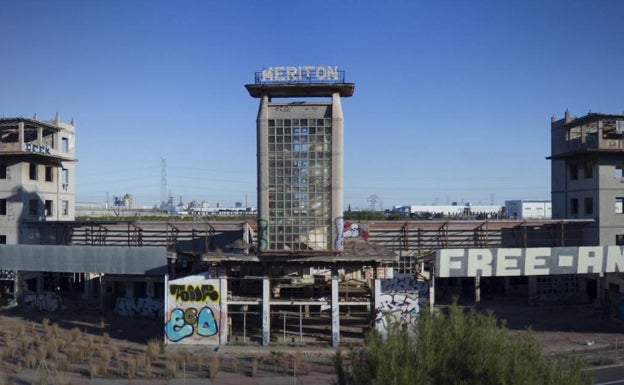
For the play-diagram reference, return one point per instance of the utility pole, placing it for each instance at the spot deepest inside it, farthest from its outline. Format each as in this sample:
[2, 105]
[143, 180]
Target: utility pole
[163, 181]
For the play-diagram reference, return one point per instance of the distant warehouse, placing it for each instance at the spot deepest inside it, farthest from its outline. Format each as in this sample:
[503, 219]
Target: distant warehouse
[528, 209]
[459, 211]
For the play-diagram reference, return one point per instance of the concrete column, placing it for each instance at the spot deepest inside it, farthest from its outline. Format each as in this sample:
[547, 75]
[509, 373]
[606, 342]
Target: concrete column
[477, 286]
[40, 288]
[335, 312]
[266, 312]
[101, 291]
[432, 290]
[262, 127]
[601, 286]
[20, 135]
[337, 209]
[86, 290]
[166, 305]
[376, 301]
[223, 319]
[532, 289]
[17, 286]
[39, 136]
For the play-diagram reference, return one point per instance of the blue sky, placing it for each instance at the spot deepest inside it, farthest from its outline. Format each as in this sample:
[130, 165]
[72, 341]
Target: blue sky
[453, 99]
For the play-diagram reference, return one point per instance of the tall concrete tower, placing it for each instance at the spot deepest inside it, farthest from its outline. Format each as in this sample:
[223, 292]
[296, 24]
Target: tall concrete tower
[300, 158]
[587, 165]
[37, 164]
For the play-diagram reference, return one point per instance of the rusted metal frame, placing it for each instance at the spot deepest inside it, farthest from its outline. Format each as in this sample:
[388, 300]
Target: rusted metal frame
[136, 237]
[96, 235]
[478, 235]
[404, 236]
[171, 236]
[210, 234]
[61, 236]
[443, 233]
[519, 231]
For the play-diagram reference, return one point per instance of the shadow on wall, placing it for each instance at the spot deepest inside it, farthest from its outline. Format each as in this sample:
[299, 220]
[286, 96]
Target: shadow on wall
[26, 208]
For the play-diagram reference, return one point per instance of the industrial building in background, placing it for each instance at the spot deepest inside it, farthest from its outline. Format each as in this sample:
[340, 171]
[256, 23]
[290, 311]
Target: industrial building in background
[528, 209]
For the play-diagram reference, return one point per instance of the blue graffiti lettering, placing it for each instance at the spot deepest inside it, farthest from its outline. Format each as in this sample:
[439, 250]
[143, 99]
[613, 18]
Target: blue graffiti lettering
[176, 328]
[206, 323]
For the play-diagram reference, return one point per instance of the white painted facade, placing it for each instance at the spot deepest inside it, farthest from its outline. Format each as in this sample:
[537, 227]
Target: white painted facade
[528, 209]
[453, 210]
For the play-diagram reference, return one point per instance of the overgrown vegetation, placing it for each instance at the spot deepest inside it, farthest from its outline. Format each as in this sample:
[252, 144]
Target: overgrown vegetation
[54, 353]
[458, 348]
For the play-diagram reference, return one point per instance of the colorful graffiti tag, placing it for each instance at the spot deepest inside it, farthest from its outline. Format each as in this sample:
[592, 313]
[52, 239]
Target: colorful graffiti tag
[190, 293]
[338, 233]
[144, 307]
[405, 283]
[193, 311]
[263, 231]
[397, 309]
[400, 301]
[43, 301]
[185, 323]
[355, 230]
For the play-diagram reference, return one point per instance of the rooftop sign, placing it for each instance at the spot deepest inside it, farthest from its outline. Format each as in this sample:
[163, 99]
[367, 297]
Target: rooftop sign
[300, 74]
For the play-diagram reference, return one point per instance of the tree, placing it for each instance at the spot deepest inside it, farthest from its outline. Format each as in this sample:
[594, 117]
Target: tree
[458, 348]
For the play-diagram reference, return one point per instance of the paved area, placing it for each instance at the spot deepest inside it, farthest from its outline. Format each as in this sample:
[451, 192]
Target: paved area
[563, 329]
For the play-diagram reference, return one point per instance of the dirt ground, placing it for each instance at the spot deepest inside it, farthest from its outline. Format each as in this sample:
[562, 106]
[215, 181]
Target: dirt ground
[89, 345]
[69, 345]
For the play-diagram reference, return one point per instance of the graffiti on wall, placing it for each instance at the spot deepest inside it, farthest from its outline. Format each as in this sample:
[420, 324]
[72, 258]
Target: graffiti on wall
[263, 230]
[406, 283]
[193, 311]
[265, 327]
[400, 301]
[191, 293]
[144, 307]
[42, 301]
[338, 236]
[186, 323]
[397, 309]
[355, 230]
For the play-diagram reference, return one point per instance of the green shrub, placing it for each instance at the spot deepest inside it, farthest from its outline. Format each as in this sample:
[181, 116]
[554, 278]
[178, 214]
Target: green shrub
[458, 348]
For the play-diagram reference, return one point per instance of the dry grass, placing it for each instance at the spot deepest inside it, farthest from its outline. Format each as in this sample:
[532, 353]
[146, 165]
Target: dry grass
[132, 368]
[21, 330]
[154, 348]
[215, 364]
[106, 338]
[172, 369]
[94, 370]
[74, 334]
[254, 366]
[28, 344]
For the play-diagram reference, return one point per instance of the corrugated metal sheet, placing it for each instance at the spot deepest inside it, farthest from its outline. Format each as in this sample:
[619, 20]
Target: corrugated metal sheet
[87, 259]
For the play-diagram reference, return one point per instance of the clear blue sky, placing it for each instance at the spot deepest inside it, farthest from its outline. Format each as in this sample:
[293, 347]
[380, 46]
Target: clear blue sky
[453, 99]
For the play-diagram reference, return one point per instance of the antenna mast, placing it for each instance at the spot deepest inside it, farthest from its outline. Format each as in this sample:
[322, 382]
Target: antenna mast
[163, 181]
